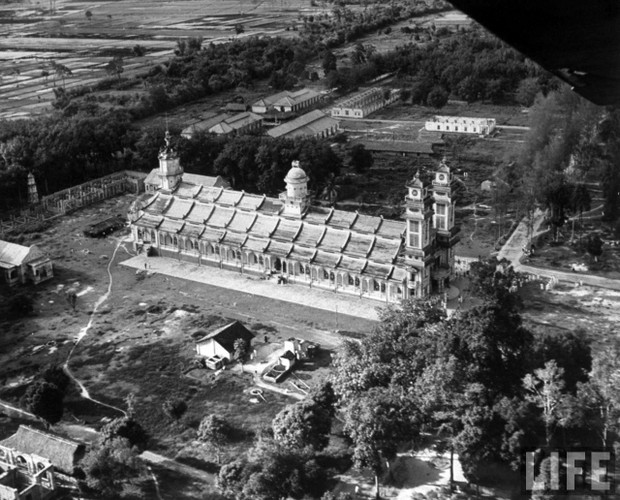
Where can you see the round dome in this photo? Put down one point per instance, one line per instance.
(296, 174)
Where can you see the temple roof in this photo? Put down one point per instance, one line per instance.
(322, 236)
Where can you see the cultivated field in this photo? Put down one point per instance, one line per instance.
(31, 37)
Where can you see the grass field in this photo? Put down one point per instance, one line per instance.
(141, 338)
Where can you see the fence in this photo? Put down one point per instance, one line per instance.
(73, 198)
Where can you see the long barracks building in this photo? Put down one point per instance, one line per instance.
(347, 252)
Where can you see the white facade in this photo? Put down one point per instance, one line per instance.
(461, 125)
(212, 348)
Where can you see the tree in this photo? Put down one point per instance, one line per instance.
(241, 350)
(273, 472)
(45, 400)
(600, 395)
(115, 67)
(377, 422)
(329, 62)
(360, 158)
(239, 29)
(306, 423)
(138, 50)
(594, 246)
(527, 91)
(61, 71)
(126, 428)
(88, 14)
(437, 98)
(112, 466)
(215, 432)
(545, 388)
(174, 408)
(330, 191)
(54, 374)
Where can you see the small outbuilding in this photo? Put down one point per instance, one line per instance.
(221, 342)
(20, 264)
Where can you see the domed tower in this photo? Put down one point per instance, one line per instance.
(419, 236)
(295, 198)
(170, 170)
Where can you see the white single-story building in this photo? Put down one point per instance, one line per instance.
(221, 342)
(20, 264)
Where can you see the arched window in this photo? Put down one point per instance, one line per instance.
(308, 270)
(382, 287)
(332, 277)
(153, 235)
(357, 282)
(189, 245)
(216, 249)
(168, 240)
(238, 255)
(40, 466)
(325, 274)
(261, 261)
(254, 259)
(21, 462)
(140, 234)
(175, 241)
(351, 280)
(376, 285)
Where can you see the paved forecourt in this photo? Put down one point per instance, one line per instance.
(296, 294)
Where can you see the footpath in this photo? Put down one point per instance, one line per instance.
(317, 298)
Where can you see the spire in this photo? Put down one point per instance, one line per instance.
(167, 150)
(33, 194)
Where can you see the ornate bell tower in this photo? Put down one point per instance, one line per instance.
(419, 237)
(170, 170)
(444, 187)
(295, 198)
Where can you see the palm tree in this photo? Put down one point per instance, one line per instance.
(330, 191)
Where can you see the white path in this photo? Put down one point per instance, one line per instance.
(84, 331)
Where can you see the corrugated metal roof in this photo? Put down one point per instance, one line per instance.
(16, 255)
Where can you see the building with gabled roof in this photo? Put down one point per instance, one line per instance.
(347, 252)
(365, 102)
(221, 342)
(287, 101)
(313, 124)
(20, 264)
(63, 453)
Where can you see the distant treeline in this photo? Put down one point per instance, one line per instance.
(468, 65)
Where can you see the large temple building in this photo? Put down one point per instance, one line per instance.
(191, 218)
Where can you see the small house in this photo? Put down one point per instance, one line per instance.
(221, 342)
(20, 264)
